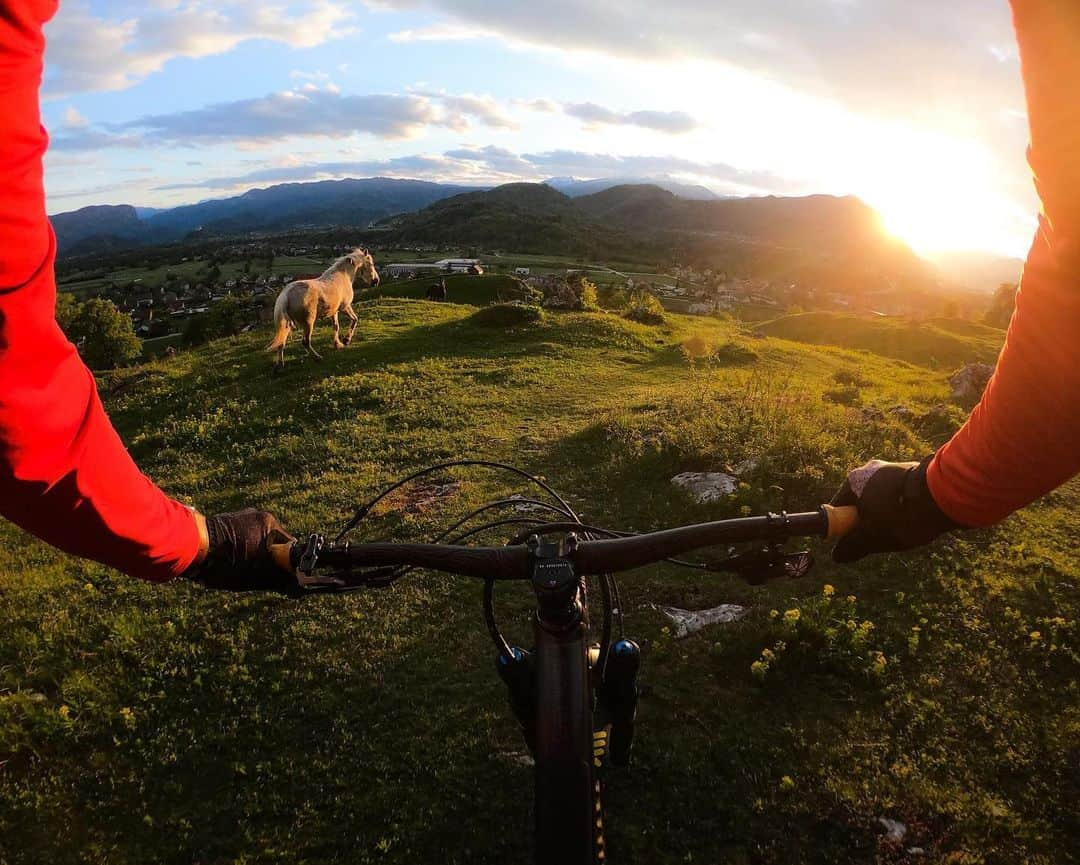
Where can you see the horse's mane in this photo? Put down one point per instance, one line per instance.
(343, 264)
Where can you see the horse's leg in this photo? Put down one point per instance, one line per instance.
(309, 328)
(337, 332)
(354, 320)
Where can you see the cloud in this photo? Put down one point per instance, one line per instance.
(492, 165)
(673, 122)
(483, 108)
(73, 119)
(89, 52)
(439, 33)
(919, 57)
(309, 111)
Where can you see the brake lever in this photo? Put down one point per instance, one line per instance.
(759, 565)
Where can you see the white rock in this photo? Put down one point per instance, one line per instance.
(969, 382)
(706, 486)
(894, 829)
(687, 622)
(745, 466)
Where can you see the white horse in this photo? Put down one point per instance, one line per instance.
(302, 302)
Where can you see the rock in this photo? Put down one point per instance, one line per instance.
(688, 622)
(516, 758)
(969, 382)
(872, 413)
(706, 486)
(746, 466)
(894, 829)
(901, 412)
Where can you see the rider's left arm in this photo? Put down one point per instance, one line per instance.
(64, 473)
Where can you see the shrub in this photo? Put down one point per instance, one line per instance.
(644, 308)
(848, 395)
(225, 318)
(699, 348)
(847, 378)
(734, 354)
(508, 315)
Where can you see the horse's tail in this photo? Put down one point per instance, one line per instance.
(281, 320)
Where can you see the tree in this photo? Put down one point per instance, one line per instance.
(226, 318)
(104, 335)
(1001, 307)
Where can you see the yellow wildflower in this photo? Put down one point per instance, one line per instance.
(828, 591)
(792, 616)
(787, 783)
(759, 669)
(64, 712)
(774, 614)
(851, 599)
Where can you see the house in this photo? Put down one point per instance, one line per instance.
(460, 265)
(521, 271)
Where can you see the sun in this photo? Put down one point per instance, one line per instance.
(937, 193)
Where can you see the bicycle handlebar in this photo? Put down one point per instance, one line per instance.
(589, 557)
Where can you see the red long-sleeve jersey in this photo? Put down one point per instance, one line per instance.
(1023, 439)
(64, 473)
(66, 477)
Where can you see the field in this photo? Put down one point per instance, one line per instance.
(939, 343)
(168, 724)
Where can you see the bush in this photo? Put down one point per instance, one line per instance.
(225, 318)
(508, 315)
(846, 378)
(734, 354)
(644, 308)
(699, 348)
(103, 334)
(578, 293)
(848, 395)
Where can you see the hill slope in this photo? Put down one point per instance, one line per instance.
(522, 217)
(939, 343)
(145, 723)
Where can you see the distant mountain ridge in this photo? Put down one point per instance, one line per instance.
(326, 203)
(316, 204)
(575, 188)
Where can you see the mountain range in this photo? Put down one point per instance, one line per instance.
(838, 240)
(286, 206)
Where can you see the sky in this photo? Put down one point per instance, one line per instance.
(916, 106)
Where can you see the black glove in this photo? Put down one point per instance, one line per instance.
(239, 555)
(896, 510)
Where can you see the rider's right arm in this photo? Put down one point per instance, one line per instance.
(1022, 439)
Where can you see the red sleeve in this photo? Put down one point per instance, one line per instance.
(1023, 439)
(64, 474)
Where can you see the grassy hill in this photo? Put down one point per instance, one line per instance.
(940, 343)
(167, 724)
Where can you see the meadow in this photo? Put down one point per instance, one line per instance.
(170, 724)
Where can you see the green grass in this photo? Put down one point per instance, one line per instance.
(940, 343)
(167, 724)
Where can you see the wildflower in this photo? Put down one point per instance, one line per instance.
(127, 716)
(787, 783)
(1035, 636)
(877, 663)
(792, 616)
(774, 614)
(64, 712)
(768, 655)
(851, 599)
(759, 669)
(828, 591)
